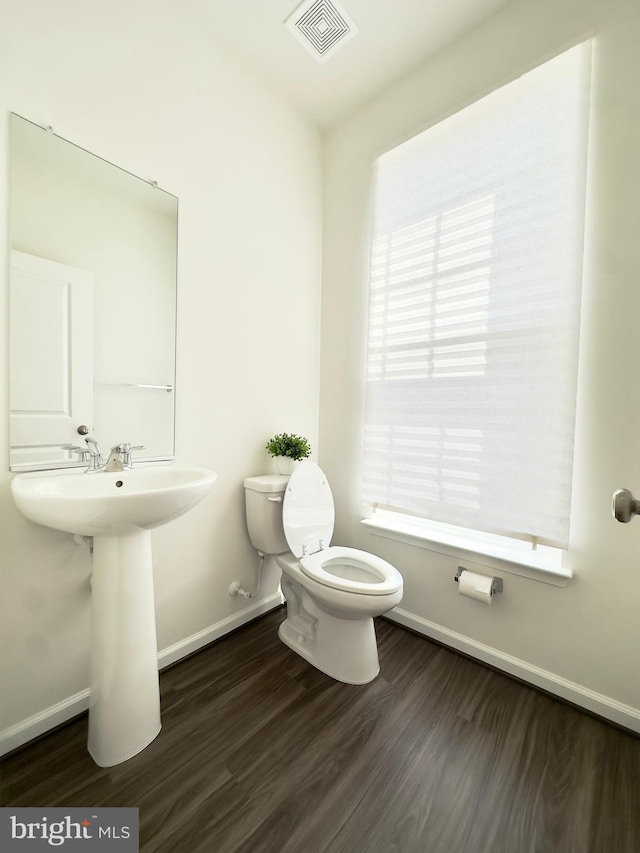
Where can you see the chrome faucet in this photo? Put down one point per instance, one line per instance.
(91, 454)
(96, 459)
(120, 457)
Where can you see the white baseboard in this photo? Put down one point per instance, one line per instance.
(617, 712)
(24, 731)
(32, 727)
(597, 703)
(191, 644)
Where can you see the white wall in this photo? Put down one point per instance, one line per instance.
(143, 85)
(582, 641)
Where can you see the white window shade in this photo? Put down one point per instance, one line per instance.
(474, 310)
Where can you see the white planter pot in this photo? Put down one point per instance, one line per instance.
(285, 465)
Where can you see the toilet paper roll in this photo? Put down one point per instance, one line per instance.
(475, 586)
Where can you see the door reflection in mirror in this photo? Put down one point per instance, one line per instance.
(92, 303)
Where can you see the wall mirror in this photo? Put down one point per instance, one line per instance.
(92, 304)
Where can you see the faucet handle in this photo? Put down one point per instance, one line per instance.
(84, 455)
(96, 460)
(124, 447)
(132, 447)
(124, 450)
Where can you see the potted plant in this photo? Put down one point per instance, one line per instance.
(288, 449)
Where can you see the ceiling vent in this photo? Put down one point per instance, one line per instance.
(322, 26)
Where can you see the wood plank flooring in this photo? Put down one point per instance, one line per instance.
(261, 753)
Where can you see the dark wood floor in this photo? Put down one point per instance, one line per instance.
(261, 753)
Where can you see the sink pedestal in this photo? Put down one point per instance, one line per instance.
(118, 509)
(124, 705)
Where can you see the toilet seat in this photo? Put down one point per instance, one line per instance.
(370, 575)
(308, 516)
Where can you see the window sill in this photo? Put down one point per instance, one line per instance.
(527, 564)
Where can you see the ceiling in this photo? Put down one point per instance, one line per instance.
(394, 37)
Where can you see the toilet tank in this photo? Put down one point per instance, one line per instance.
(263, 504)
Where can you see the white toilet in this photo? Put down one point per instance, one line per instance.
(332, 593)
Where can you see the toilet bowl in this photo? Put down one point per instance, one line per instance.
(332, 592)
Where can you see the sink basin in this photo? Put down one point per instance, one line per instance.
(117, 509)
(102, 502)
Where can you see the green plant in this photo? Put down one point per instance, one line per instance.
(286, 444)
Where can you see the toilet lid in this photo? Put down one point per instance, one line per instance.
(308, 512)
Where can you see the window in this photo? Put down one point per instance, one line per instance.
(474, 310)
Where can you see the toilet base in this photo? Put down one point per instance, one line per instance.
(344, 649)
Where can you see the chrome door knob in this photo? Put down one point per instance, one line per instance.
(624, 506)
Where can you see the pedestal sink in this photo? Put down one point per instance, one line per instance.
(118, 509)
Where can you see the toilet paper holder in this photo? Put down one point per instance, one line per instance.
(496, 583)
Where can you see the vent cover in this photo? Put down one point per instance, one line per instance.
(322, 27)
